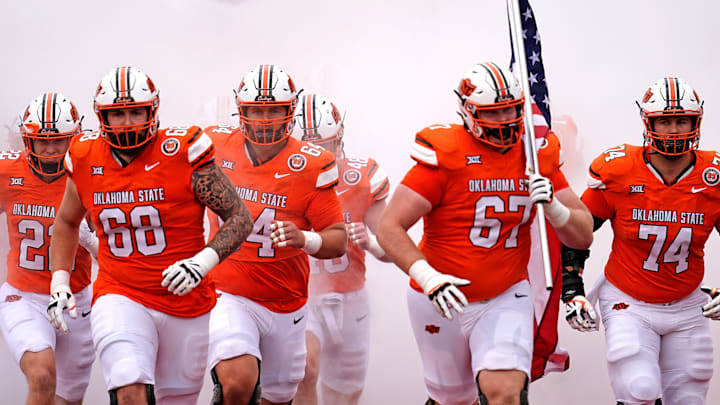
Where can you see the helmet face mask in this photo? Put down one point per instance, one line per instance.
(127, 88)
(673, 98)
(266, 99)
(487, 97)
(319, 122)
(48, 124)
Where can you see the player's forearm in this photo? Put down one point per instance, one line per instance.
(63, 244)
(334, 242)
(235, 229)
(577, 233)
(398, 246)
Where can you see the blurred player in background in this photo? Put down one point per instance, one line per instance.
(471, 188)
(56, 363)
(338, 335)
(146, 189)
(257, 330)
(662, 200)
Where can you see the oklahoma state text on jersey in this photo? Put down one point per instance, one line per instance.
(296, 185)
(659, 229)
(30, 205)
(146, 215)
(479, 226)
(362, 183)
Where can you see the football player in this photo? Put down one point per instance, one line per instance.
(56, 363)
(662, 201)
(289, 188)
(338, 335)
(146, 189)
(472, 190)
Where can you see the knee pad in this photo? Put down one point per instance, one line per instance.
(523, 394)
(149, 392)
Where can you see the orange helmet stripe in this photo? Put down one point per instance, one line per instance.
(265, 78)
(499, 78)
(308, 115)
(673, 91)
(49, 110)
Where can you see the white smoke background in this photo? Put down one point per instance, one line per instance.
(392, 66)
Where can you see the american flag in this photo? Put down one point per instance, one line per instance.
(547, 355)
(536, 71)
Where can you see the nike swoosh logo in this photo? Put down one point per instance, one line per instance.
(85, 314)
(697, 189)
(152, 166)
(520, 295)
(360, 318)
(343, 192)
(280, 176)
(295, 321)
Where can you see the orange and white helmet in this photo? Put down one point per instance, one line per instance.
(318, 120)
(271, 89)
(49, 117)
(127, 87)
(668, 97)
(486, 87)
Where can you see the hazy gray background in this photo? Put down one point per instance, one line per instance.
(392, 65)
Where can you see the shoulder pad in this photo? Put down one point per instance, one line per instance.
(612, 163)
(10, 154)
(433, 139)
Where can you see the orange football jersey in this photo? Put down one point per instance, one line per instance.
(362, 183)
(30, 205)
(296, 185)
(479, 226)
(659, 229)
(146, 214)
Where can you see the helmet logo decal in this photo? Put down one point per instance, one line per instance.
(466, 87)
(647, 96)
(297, 162)
(352, 177)
(711, 176)
(170, 147)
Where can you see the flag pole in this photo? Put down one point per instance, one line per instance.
(517, 39)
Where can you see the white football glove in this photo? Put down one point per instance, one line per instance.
(359, 235)
(580, 314)
(61, 298)
(712, 308)
(440, 288)
(181, 277)
(88, 239)
(541, 191)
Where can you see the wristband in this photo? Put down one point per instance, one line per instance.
(374, 247)
(422, 272)
(207, 259)
(60, 281)
(313, 242)
(557, 213)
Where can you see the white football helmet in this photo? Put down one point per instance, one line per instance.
(266, 100)
(671, 96)
(123, 88)
(486, 87)
(318, 120)
(50, 119)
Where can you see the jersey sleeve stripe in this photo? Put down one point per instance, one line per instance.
(328, 165)
(383, 192)
(195, 135)
(68, 163)
(424, 142)
(205, 164)
(200, 147)
(378, 179)
(592, 182)
(328, 178)
(372, 169)
(424, 155)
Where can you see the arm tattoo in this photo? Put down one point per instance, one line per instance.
(214, 190)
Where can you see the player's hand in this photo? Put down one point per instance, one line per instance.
(286, 234)
(580, 314)
(440, 288)
(61, 298)
(541, 189)
(88, 239)
(357, 233)
(712, 308)
(182, 276)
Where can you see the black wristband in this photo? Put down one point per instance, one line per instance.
(572, 285)
(574, 258)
